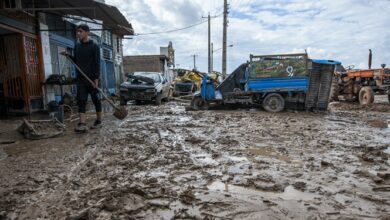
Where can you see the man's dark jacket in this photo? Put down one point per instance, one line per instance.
(87, 57)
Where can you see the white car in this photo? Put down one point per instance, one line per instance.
(145, 86)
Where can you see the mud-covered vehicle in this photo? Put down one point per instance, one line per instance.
(144, 86)
(274, 82)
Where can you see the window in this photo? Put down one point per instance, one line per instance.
(60, 64)
(107, 37)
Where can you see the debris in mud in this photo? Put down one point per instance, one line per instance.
(187, 196)
(367, 174)
(326, 163)
(300, 186)
(378, 123)
(384, 176)
(41, 129)
(382, 188)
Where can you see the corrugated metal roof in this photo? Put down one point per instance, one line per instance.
(112, 18)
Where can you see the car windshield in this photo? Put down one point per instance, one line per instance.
(151, 75)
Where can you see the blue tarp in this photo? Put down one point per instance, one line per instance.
(328, 62)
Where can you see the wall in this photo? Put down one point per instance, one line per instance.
(143, 63)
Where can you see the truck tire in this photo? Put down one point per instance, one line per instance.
(273, 102)
(334, 91)
(198, 103)
(158, 99)
(123, 101)
(366, 95)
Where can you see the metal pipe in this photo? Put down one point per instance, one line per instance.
(369, 59)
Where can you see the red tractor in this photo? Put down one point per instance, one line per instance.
(360, 84)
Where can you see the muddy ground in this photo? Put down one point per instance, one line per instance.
(168, 163)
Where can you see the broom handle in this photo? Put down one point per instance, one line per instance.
(92, 83)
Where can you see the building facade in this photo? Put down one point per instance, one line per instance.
(32, 36)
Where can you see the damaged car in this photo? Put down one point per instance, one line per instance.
(144, 86)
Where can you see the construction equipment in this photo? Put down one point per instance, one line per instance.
(360, 84)
(120, 111)
(189, 81)
(273, 82)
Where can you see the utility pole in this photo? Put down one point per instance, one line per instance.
(194, 60)
(225, 23)
(212, 57)
(209, 46)
(209, 42)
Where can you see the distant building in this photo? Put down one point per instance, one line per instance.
(153, 63)
(170, 53)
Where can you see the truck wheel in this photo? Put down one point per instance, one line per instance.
(334, 91)
(198, 103)
(123, 101)
(366, 95)
(158, 99)
(273, 103)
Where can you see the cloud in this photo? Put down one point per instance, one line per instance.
(340, 30)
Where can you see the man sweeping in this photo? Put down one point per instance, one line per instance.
(87, 57)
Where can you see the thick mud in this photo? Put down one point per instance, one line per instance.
(168, 163)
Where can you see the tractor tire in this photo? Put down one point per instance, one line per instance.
(158, 99)
(273, 102)
(123, 101)
(334, 91)
(198, 103)
(366, 95)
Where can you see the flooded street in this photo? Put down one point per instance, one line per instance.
(163, 162)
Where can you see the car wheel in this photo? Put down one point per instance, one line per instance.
(158, 99)
(273, 103)
(198, 103)
(123, 101)
(366, 95)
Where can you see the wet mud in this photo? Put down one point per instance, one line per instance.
(164, 162)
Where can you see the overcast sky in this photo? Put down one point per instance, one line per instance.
(341, 30)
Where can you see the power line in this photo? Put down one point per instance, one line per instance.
(174, 30)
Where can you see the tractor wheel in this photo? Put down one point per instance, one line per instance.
(198, 103)
(334, 91)
(366, 95)
(158, 99)
(273, 103)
